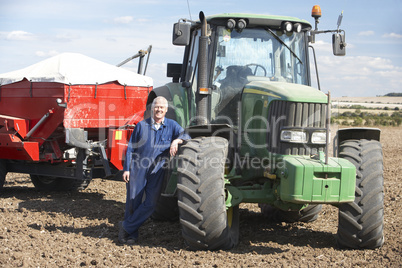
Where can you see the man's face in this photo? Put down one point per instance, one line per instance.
(159, 110)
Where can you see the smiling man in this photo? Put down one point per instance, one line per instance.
(153, 141)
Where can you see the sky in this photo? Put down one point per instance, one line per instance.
(113, 30)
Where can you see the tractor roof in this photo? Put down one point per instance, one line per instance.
(254, 20)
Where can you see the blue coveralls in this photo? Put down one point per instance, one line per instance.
(148, 151)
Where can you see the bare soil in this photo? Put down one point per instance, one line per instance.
(53, 229)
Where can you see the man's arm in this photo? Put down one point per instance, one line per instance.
(179, 136)
(175, 146)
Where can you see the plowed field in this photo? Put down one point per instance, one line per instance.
(53, 229)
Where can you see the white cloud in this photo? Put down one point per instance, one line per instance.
(142, 20)
(66, 36)
(322, 46)
(366, 33)
(392, 35)
(359, 75)
(20, 36)
(377, 63)
(123, 20)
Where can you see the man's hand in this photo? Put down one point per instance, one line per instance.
(175, 146)
(126, 176)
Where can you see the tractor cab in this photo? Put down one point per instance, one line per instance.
(242, 56)
(241, 49)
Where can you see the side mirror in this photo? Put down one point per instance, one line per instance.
(181, 34)
(174, 71)
(338, 44)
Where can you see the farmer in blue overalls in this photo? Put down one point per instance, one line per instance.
(153, 141)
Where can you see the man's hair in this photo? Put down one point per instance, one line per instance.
(160, 98)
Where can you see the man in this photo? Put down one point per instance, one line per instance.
(152, 142)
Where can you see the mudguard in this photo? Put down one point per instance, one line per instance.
(357, 133)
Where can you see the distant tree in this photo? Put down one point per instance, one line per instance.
(358, 121)
(383, 114)
(393, 94)
(369, 122)
(384, 122)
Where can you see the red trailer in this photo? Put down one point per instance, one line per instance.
(67, 119)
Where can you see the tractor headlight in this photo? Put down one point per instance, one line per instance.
(297, 27)
(295, 136)
(319, 137)
(287, 26)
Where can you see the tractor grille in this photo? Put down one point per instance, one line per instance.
(295, 115)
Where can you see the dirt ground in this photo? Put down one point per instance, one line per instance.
(80, 230)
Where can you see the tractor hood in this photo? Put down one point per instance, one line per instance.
(286, 91)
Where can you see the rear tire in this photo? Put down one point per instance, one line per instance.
(206, 223)
(361, 223)
(49, 183)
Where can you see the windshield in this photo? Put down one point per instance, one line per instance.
(254, 54)
(260, 54)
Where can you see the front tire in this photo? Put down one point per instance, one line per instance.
(361, 223)
(206, 223)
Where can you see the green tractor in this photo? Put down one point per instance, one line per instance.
(260, 134)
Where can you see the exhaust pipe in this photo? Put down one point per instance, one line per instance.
(327, 126)
(203, 90)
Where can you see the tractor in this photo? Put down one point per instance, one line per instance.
(260, 133)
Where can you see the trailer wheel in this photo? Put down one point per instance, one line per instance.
(308, 214)
(361, 223)
(48, 183)
(3, 172)
(205, 221)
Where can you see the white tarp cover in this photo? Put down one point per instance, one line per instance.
(75, 69)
